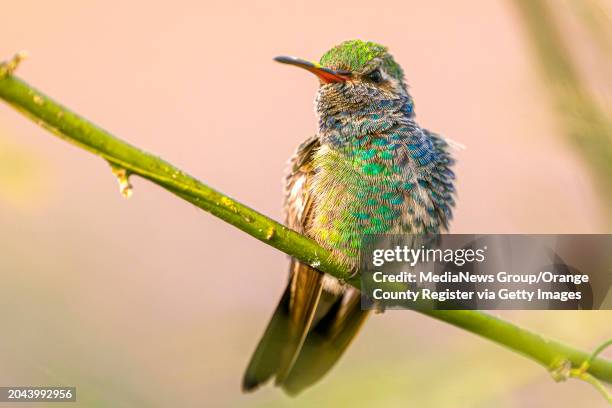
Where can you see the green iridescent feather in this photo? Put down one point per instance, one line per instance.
(355, 55)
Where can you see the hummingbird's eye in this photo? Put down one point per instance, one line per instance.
(375, 76)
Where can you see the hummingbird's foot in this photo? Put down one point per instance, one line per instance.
(8, 67)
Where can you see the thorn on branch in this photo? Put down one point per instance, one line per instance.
(561, 371)
(123, 178)
(8, 67)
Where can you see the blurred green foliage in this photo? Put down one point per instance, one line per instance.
(586, 124)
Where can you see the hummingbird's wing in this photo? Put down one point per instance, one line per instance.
(285, 334)
(310, 328)
(298, 197)
(305, 283)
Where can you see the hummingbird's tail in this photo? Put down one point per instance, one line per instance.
(281, 343)
(267, 357)
(327, 341)
(307, 334)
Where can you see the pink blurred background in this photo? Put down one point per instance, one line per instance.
(150, 302)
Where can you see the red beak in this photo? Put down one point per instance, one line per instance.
(326, 75)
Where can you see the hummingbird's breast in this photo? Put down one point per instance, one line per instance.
(395, 179)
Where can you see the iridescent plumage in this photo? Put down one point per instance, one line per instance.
(370, 169)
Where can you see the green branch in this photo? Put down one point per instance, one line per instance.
(127, 159)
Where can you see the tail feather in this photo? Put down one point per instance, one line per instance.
(309, 331)
(281, 343)
(326, 342)
(306, 287)
(267, 357)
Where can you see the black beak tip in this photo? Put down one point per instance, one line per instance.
(285, 60)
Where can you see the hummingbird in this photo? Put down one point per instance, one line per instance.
(370, 169)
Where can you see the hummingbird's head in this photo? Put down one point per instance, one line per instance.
(355, 76)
